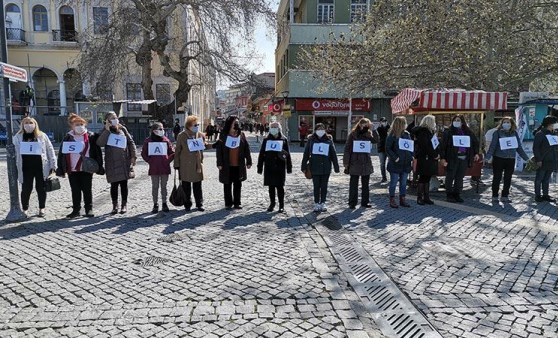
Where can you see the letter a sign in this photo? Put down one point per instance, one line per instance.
(157, 149)
(196, 144)
(274, 146)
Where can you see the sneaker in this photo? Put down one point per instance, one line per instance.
(317, 207)
(89, 213)
(506, 199)
(323, 207)
(123, 210)
(74, 214)
(201, 209)
(238, 207)
(41, 213)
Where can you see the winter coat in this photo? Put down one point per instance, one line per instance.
(359, 164)
(47, 155)
(158, 164)
(274, 164)
(95, 153)
(382, 132)
(118, 161)
(404, 164)
(189, 164)
(496, 150)
(425, 154)
(544, 152)
(320, 164)
(223, 159)
(449, 152)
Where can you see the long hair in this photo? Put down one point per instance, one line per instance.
(464, 124)
(398, 126)
(227, 127)
(360, 122)
(512, 121)
(429, 121)
(37, 132)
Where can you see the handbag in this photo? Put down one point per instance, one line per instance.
(132, 173)
(52, 183)
(177, 196)
(89, 165)
(308, 173)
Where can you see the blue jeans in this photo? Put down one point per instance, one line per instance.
(383, 157)
(542, 180)
(394, 179)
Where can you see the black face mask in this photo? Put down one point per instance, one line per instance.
(364, 129)
(236, 126)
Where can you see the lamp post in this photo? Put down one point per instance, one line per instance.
(285, 94)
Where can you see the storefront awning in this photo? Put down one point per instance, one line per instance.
(135, 101)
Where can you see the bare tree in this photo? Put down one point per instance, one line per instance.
(473, 44)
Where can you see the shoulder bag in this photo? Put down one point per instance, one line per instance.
(177, 196)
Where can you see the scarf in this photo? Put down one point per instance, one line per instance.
(461, 150)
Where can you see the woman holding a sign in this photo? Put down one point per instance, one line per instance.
(233, 160)
(35, 161)
(319, 155)
(426, 153)
(399, 149)
(188, 160)
(358, 163)
(545, 149)
(504, 147)
(120, 158)
(275, 162)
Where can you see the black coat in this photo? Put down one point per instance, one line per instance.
(382, 132)
(95, 153)
(359, 164)
(273, 164)
(544, 152)
(399, 161)
(320, 165)
(223, 159)
(427, 164)
(450, 153)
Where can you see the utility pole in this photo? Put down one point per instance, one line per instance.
(15, 214)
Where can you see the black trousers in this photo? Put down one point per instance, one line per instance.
(365, 190)
(280, 194)
(424, 179)
(123, 191)
(30, 175)
(81, 182)
(454, 177)
(320, 187)
(233, 198)
(198, 193)
(505, 167)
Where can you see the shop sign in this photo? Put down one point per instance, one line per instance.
(358, 105)
(331, 113)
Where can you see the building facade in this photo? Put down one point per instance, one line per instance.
(303, 23)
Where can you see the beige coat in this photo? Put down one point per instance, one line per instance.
(189, 164)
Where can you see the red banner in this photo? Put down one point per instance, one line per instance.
(359, 105)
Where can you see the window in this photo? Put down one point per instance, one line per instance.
(40, 19)
(325, 11)
(163, 94)
(11, 8)
(358, 10)
(133, 92)
(100, 20)
(66, 10)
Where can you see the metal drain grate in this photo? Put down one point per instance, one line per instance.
(150, 261)
(175, 237)
(350, 254)
(405, 326)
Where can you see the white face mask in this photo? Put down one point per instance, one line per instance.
(320, 133)
(29, 127)
(114, 122)
(506, 126)
(159, 133)
(80, 130)
(274, 131)
(457, 124)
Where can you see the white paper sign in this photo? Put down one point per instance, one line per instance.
(72, 147)
(406, 144)
(157, 149)
(362, 147)
(232, 142)
(196, 144)
(118, 141)
(274, 146)
(435, 142)
(552, 140)
(320, 149)
(462, 141)
(509, 143)
(30, 148)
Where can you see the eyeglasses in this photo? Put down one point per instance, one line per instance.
(196, 125)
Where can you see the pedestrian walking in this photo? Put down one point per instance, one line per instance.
(399, 150)
(303, 133)
(209, 131)
(545, 149)
(158, 152)
(233, 160)
(120, 159)
(383, 132)
(35, 162)
(275, 162)
(80, 157)
(504, 147)
(426, 154)
(358, 162)
(319, 157)
(176, 129)
(458, 151)
(189, 162)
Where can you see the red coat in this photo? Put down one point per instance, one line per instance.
(158, 165)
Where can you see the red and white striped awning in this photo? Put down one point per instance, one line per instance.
(454, 99)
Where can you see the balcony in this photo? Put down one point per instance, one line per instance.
(15, 34)
(64, 35)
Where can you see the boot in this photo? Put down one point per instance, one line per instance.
(403, 203)
(458, 198)
(155, 208)
(427, 199)
(393, 203)
(420, 194)
(123, 209)
(114, 208)
(165, 207)
(450, 197)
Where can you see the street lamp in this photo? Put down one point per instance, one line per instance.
(285, 94)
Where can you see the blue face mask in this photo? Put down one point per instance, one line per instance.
(195, 129)
(506, 126)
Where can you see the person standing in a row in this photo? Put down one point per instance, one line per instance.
(545, 149)
(358, 162)
(35, 161)
(120, 158)
(504, 147)
(400, 158)
(189, 162)
(233, 160)
(319, 156)
(275, 162)
(383, 133)
(426, 154)
(158, 152)
(80, 163)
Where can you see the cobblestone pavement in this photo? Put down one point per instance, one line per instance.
(474, 270)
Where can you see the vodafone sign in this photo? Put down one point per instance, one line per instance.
(359, 105)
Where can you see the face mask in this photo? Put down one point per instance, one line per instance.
(383, 124)
(506, 126)
(159, 133)
(80, 130)
(457, 124)
(274, 131)
(195, 129)
(29, 127)
(320, 133)
(365, 129)
(114, 122)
